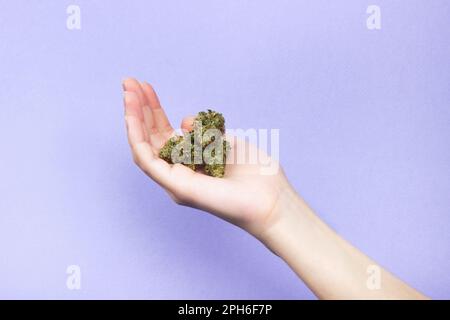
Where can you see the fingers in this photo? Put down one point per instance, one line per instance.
(151, 96)
(134, 130)
(161, 122)
(133, 109)
(188, 123)
(143, 155)
(141, 110)
(157, 129)
(148, 120)
(132, 85)
(132, 105)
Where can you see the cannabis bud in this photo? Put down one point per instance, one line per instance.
(204, 148)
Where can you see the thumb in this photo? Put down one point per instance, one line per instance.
(187, 124)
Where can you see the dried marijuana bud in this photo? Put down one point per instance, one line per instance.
(203, 148)
(166, 151)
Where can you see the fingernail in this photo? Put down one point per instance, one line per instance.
(123, 84)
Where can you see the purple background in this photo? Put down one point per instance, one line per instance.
(368, 111)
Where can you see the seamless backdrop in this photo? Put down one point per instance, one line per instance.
(364, 123)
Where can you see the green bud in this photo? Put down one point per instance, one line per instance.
(208, 126)
(166, 151)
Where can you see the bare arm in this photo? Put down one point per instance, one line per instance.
(330, 266)
(264, 205)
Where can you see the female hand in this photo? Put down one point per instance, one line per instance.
(243, 196)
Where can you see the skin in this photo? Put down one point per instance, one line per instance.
(266, 206)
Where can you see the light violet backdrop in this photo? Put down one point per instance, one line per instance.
(364, 121)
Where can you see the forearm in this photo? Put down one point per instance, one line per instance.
(330, 266)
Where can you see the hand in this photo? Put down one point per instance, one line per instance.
(243, 196)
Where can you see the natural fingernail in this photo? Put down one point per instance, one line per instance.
(123, 84)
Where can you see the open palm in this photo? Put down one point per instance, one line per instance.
(243, 196)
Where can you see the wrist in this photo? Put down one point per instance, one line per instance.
(290, 218)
